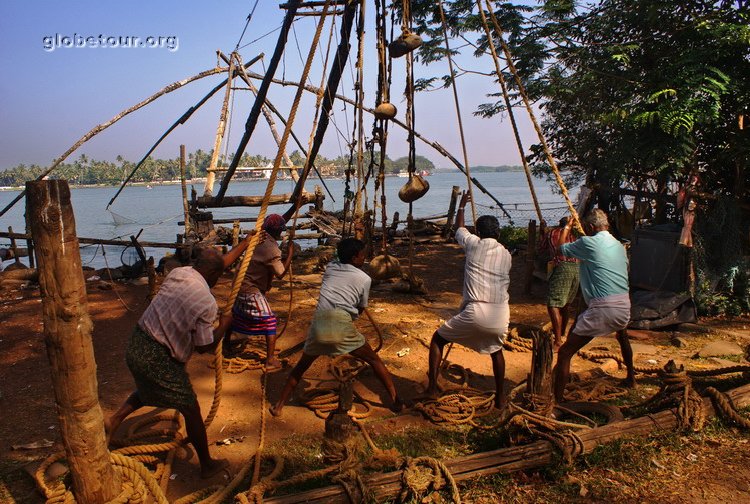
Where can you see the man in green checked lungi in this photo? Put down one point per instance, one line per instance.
(563, 280)
(343, 296)
(179, 320)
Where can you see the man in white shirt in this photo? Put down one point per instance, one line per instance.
(483, 320)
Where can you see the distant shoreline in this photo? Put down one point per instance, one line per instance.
(475, 169)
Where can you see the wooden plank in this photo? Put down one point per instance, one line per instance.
(252, 201)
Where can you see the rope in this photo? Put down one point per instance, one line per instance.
(524, 95)
(458, 113)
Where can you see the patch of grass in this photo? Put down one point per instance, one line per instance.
(427, 441)
(627, 454)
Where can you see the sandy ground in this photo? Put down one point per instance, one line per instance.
(408, 321)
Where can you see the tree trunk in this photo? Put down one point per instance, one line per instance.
(67, 334)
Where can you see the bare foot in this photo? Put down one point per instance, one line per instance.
(214, 467)
(276, 410)
(629, 382)
(500, 404)
(273, 364)
(433, 392)
(556, 345)
(398, 405)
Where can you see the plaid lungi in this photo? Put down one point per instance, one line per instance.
(332, 333)
(161, 379)
(252, 315)
(563, 284)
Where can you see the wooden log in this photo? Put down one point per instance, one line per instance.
(387, 486)
(183, 183)
(67, 334)
(13, 246)
(20, 274)
(252, 201)
(451, 211)
(530, 255)
(540, 377)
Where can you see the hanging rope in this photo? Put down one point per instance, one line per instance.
(458, 113)
(512, 116)
(532, 116)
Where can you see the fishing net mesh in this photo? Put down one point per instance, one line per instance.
(720, 258)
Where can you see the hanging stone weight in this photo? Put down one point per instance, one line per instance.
(406, 43)
(383, 267)
(414, 189)
(385, 110)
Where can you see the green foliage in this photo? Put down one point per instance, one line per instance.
(512, 237)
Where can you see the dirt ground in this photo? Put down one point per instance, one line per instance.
(408, 321)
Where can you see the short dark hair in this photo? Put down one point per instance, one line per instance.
(207, 260)
(348, 248)
(488, 226)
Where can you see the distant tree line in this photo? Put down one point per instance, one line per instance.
(87, 171)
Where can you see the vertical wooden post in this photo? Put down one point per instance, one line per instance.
(29, 242)
(530, 256)
(184, 190)
(540, 377)
(13, 246)
(67, 334)
(235, 233)
(451, 211)
(151, 271)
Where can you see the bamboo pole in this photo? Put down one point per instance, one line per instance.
(101, 241)
(67, 333)
(103, 126)
(252, 119)
(208, 189)
(232, 201)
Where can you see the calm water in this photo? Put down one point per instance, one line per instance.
(158, 210)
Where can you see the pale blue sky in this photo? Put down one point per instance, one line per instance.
(49, 99)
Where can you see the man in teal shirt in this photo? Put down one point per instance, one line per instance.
(604, 283)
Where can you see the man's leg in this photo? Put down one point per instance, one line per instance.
(294, 377)
(367, 354)
(272, 362)
(562, 370)
(556, 317)
(436, 355)
(196, 432)
(132, 403)
(498, 369)
(627, 356)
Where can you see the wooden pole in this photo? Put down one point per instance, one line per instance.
(29, 242)
(67, 334)
(208, 189)
(530, 256)
(13, 246)
(540, 377)
(451, 211)
(185, 206)
(385, 487)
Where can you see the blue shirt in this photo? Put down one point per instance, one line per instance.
(604, 265)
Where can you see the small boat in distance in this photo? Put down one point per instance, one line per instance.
(424, 173)
(148, 186)
(402, 174)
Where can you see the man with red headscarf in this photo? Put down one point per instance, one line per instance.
(251, 313)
